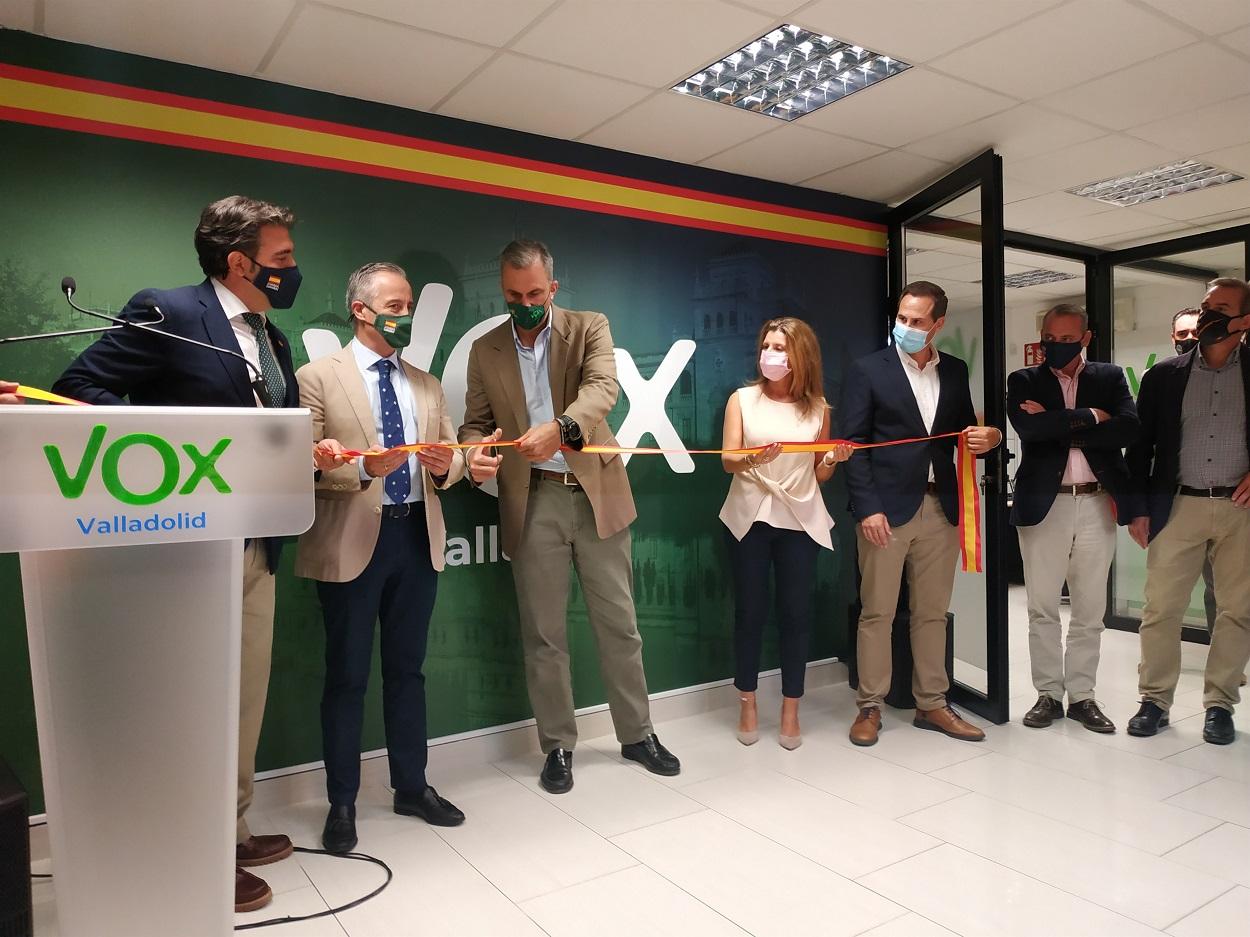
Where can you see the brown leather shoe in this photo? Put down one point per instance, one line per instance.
(1044, 712)
(1089, 715)
(250, 892)
(262, 850)
(947, 721)
(867, 726)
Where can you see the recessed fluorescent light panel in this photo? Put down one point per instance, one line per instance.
(790, 72)
(1018, 281)
(1150, 184)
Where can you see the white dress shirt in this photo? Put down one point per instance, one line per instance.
(925, 387)
(235, 309)
(365, 361)
(536, 378)
(1077, 471)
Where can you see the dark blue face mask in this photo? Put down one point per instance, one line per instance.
(279, 284)
(1060, 354)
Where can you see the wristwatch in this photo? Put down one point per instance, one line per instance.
(570, 433)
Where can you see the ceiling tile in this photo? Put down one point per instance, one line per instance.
(1226, 123)
(1015, 190)
(1163, 232)
(491, 22)
(1118, 222)
(1061, 47)
(1173, 83)
(1213, 17)
(1049, 209)
(679, 127)
(17, 14)
(339, 52)
(1225, 219)
(908, 106)
(791, 153)
(1239, 40)
(774, 7)
(1236, 158)
(971, 272)
(556, 101)
(915, 30)
(1189, 205)
(653, 42)
(230, 35)
(1019, 133)
(890, 177)
(931, 261)
(1103, 158)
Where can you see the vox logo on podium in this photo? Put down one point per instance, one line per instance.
(202, 467)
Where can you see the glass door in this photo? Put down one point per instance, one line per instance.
(952, 234)
(1143, 289)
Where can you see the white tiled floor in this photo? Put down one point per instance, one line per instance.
(1049, 832)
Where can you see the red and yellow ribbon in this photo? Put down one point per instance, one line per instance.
(34, 393)
(966, 464)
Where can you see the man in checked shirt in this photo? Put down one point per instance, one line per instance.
(1190, 494)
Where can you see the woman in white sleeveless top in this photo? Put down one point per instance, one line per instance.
(774, 513)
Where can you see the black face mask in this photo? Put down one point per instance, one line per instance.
(1060, 354)
(1185, 345)
(1212, 327)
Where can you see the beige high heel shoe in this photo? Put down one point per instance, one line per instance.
(789, 742)
(747, 738)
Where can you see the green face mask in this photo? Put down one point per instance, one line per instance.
(396, 330)
(527, 317)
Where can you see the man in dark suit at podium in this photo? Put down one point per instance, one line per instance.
(247, 256)
(1074, 417)
(905, 500)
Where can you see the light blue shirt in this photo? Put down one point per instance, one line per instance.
(536, 378)
(365, 361)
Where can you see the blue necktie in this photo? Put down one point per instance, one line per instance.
(399, 482)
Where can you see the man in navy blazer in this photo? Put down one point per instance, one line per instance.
(1190, 498)
(247, 256)
(1074, 417)
(906, 502)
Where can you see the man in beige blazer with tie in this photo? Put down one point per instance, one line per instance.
(376, 545)
(547, 378)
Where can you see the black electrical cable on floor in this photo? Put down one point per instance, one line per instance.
(359, 857)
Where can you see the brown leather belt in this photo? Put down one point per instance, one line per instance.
(1226, 492)
(567, 479)
(1084, 488)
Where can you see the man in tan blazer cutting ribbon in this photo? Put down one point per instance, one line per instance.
(547, 378)
(376, 545)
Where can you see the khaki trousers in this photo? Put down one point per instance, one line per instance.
(258, 603)
(560, 531)
(1173, 564)
(927, 546)
(1074, 542)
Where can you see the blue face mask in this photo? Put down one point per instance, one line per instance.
(279, 284)
(909, 339)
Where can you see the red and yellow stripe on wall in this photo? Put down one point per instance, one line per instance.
(50, 99)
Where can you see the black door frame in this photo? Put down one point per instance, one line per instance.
(985, 171)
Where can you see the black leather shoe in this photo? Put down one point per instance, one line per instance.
(1218, 728)
(557, 776)
(427, 805)
(1149, 719)
(1045, 711)
(653, 756)
(1087, 713)
(339, 836)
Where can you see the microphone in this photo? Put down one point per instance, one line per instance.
(69, 287)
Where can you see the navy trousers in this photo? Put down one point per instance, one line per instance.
(790, 555)
(396, 589)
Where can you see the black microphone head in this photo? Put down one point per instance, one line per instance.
(68, 285)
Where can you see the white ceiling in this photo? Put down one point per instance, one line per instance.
(1068, 91)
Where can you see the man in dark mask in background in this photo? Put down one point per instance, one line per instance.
(1190, 492)
(1073, 417)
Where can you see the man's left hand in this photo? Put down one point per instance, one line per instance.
(8, 393)
(539, 443)
(982, 438)
(1032, 406)
(1241, 496)
(437, 459)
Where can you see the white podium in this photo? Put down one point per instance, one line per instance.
(130, 522)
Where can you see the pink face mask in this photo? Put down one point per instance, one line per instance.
(774, 365)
